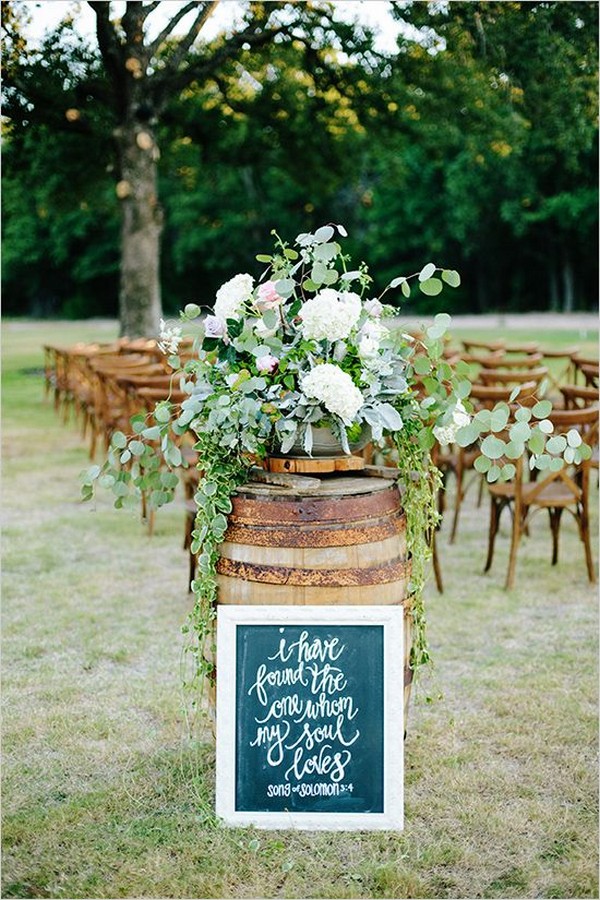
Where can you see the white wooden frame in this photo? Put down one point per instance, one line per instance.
(391, 618)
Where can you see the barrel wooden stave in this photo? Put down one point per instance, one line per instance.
(338, 549)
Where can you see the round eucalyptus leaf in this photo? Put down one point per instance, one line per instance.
(520, 431)
(507, 472)
(514, 449)
(318, 273)
(523, 414)
(119, 440)
(556, 464)
(120, 489)
(556, 444)
(463, 389)
(191, 310)
(162, 414)
(543, 461)
(569, 455)
(426, 272)
(546, 426)
(573, 438)
(431, 288)
(482, 464)
(483, 418)
(443, 320)
(494, 473)
(537, 442)
(499, 418)
(451, 277)
(493, 447)
(467, 435)
(324, 234)
(542, 409)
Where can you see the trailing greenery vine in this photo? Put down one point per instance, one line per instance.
(419, 481)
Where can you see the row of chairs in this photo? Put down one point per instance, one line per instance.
(104, 385)
(496, 369)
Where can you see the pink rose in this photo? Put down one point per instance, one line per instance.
(267, 364)
(215, 327)
(268, 298)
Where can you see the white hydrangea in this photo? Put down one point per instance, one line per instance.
(232, 295)
(334, 389)
(169, 338)
(330, 315)
(446, 434)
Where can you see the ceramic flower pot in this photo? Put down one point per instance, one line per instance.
(325, 443)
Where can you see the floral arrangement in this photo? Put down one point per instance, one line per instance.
(306, 345)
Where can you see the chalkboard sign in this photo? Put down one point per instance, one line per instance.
(310, 716)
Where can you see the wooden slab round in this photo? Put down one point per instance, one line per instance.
(299, 465)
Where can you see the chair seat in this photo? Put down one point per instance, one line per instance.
(554, 494)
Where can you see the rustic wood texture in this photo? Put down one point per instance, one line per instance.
(318, 465)
(342, 543)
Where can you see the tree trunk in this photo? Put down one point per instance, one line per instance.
(568, 285)
(141, 226)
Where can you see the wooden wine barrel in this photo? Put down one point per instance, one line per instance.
(340, 543)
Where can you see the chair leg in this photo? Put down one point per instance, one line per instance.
(514, 544)
(480, 492)
(555, 515)
(585, 537)
(494, 521)
(457, 503)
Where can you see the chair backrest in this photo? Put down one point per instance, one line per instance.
(487, 395)
(574, 477)
(577, 396)
(492, 346)
(510, 362)
(512, 376)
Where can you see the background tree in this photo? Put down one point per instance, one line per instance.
(474, 144)
(133, 82)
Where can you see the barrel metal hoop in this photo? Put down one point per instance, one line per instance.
(316, 536)
(389, 572)
(346, 510)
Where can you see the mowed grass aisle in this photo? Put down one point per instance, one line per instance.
(104, 795)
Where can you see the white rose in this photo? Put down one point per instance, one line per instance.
(371, 335)
(446, 434)
(232, 295)
(334, 389)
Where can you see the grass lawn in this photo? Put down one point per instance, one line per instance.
(105, 795)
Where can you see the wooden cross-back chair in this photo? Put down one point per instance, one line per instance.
(461, 460)
(567, 489)
(585, 369)
(560, 367)
(108, 410)
(581, 397)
